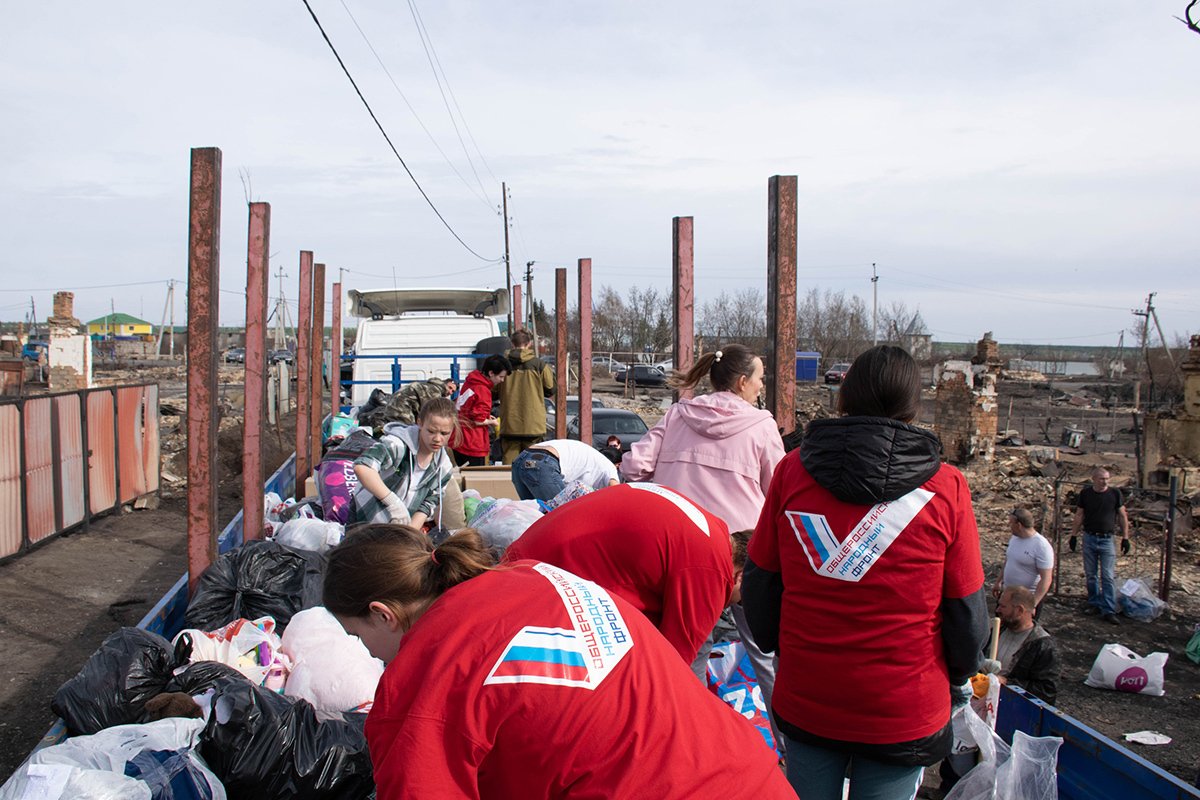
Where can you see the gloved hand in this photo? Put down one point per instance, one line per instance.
(1073, 542)
(990, 666)
(1125, 547)
(960, 695)
(397, 511)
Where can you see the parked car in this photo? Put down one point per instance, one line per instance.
(237, 355)
(285, 356)
(836, 373)
(606, 363)
(573, 405)
(625, 425)
(666, 366)
(643, 375)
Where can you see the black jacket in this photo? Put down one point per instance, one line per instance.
(869, 460)
(1035, 667)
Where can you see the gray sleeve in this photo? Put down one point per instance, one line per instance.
(964, 633)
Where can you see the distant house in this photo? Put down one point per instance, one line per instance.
(119, 325)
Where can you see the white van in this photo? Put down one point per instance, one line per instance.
(412, 322)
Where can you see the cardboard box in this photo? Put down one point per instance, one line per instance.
(490, 481)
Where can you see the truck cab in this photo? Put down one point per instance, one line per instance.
(425, 333)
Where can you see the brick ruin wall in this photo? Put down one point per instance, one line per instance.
(966, 413)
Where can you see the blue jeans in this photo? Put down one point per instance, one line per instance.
(537, 475)
(1100, 551)
(817, 773)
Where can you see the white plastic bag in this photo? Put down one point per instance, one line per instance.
(1138, 602)
(984, 702)
(330, 668)
(93, 767)
(250, 646)
(1119, 668)
(1026, 771)
(502, 522)
(302, 533)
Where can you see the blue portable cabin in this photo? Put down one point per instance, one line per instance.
(807, 366)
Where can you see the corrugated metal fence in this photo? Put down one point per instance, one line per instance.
(65, 458)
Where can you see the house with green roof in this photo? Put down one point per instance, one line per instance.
(119, 325)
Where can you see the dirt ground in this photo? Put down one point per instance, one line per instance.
(58, 602)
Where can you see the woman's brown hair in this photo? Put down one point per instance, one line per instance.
(882, 382)
(722, 367)
(398, 566)
(442, 407)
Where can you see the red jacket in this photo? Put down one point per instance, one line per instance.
(474, 405)
(649, 544)
(528, 681)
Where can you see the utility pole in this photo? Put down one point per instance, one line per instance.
(507, 265)
(1163, 340)
(529, 303)
(1145, 315)
(874, 305)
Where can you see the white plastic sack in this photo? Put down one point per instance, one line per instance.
(250, 646)
(502, 521)
(302, 533)
(330, 668)
(1026, 771)
(1138, 602)
(1121, 669)
(93, 767)
(984, 705)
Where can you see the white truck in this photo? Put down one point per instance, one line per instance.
(426, 333)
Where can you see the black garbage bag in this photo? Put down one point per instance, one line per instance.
(270, 747)
(131, 666)
(258, 579)
(201, 676)
(313, 504)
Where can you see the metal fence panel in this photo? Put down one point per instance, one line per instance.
(39, 469)
(69, 423)
(151, 446)
(130, 424)
(12, 504)
(102, 475)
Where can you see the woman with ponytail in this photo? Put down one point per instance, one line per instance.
(526, 681)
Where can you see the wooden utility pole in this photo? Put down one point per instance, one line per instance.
(507, 264)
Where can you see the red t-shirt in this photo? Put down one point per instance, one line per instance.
(474, 405)
(860, 648)
(649, 544)
(529, 682)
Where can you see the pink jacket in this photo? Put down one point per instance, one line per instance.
(717, 449)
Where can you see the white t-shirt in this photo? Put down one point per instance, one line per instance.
(1025, 557)
(414, 480)
(584, 463)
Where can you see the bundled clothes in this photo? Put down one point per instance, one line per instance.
(865, 569)
(557, 688)
(403, 406)
(394, 457)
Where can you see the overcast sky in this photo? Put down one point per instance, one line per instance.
(1029, 168)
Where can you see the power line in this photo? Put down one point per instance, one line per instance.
(431, 57)
(482, 198)
(83, 288)
(387, 138)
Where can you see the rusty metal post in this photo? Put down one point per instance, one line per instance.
(303, 378)
(254, 418)
(780, 358)
(516, 306)
(204, 284)
(1164, 587)
(683, 296)
(317, 402)
(335, 356)
(585, 350)
(561, 371)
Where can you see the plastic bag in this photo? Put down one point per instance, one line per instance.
(250, 647)
(731, 678)
(1026, 771)
(154, 761)
(338, 425)
(1138, 602)
(501, 522)
(330, 668)
(1119, 668)
(1193, 646)
(310, 534)
(258, 579)
(336, 484)
(269, 747)
(572, 490)
(130, 667)
(985, 701)
(308, 508)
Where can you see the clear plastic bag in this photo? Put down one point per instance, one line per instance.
(310, 534)
(1138, 602)
(1025, 771)
(503, 521)
(155, 760)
